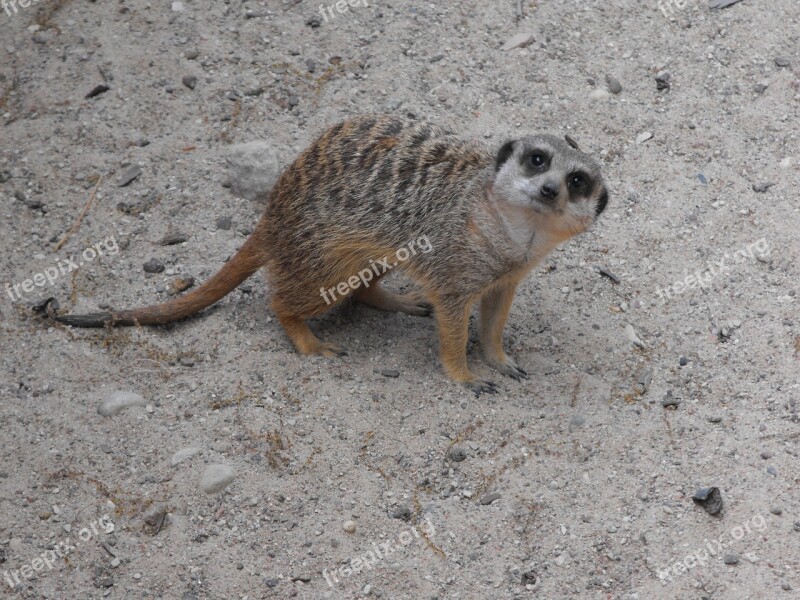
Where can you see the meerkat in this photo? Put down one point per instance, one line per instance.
(368, 185)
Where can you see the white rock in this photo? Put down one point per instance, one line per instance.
(117, 401)
(630, 333)
(252, 169)
(599, 94)
(217, 478)
(518, 41)
(349, 526)
(643, 137)
(177, 7)
(184, 454)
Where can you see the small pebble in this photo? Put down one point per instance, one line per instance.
(184, 454)
(349, 526)
(457, 453)
(172, 239)
(520, 40)
(762, 186)
(401, 512)
(153, 266)
(630, 333)
(128, 174)
(776, 510)
(731, 559)
(216, 478)
(683, 361)
(614, 86)
(643, 137)
(117, 401)
(180, 284)
(190, 81)
(489, 498)
(669, 401)
(782, 61)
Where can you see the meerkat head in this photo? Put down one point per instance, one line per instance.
(552, 180)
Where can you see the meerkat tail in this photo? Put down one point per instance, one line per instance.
(244, 263)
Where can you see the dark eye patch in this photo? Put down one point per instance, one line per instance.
(579, 183)
(536, 160)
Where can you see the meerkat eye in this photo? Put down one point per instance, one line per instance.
(578, 182)
(538, 158)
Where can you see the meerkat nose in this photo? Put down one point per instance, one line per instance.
(550, 190)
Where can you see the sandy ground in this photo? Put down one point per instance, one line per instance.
(374, 476)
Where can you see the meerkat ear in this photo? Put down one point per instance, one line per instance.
(602, 202)
(506, 150)
(572, 143)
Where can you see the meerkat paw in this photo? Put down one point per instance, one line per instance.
(482, 386)
(509, 368)
(329, 350)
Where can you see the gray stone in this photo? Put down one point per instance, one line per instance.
(762, 186)
(521, 40)
(614, 86)
(153, 266)
(252, 169)
(190, 81)
(731, 559)
(117, 401)
(216, 478)
(457, 453)
(128, 174)
(184, 454)
(489, 498)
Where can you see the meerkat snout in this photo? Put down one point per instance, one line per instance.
(551, 177)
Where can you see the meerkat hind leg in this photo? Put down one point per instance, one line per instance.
(304, 339)
(495, 308)
(377, 297)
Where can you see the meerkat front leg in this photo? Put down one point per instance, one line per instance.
(453, 321)
(495, 308)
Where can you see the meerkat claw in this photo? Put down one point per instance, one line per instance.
(427, 308)
(331, 350)
(482, 386)
(515, 373)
